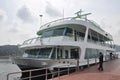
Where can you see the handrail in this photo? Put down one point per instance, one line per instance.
(58, 72)
(46, 73)
(33, 40)
(29, 41)
(56, 21)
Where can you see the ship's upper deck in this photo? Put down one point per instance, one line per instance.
(73, 30)
(72, 20)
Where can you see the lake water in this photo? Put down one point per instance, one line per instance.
(6, 67)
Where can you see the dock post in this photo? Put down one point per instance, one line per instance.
(68, 70)
(77, 64)
(46, 74)
(58, 73)
(30, 75)
(88, 62)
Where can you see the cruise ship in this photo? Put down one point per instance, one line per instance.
(66, 42)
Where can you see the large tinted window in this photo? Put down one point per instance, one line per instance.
(53, 32)
(58, 32)
(44, 53)
(32, 52)
(47, 33)
(91, 53)
(39, 53)
(69, 32)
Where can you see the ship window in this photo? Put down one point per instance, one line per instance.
(66, 54)
(38, 53)
(53, 54)
(81, 34)
(93, 35)
(59, 53)
(53, 32)
(44, 52)
(69, 32)
(47, 33)
(32, 53)
(91, 53)
(74, 53)
(58, 32)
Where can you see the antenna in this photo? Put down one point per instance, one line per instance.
(41, 19)
(80, 15)
(85, 15)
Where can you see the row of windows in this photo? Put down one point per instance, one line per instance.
(53, 53)
(92, 53)
(61, 54)
(96, 36)
(39, 53)
(78, 32)
(65, 31)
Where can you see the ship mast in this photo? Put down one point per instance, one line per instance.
(81, 16)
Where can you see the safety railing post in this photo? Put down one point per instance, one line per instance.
(7, 76)
(52, 75)
(58, 73)
(77, 64)
(46, 74)
(30, 75)
(88, 62)
(68, 70)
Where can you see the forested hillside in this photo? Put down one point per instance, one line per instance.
(7, 50)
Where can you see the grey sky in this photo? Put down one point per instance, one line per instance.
(19, 19)
(52, 11)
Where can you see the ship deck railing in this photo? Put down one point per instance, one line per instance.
(54, 74)
(40, 40)
(62, 19)
(45, 75)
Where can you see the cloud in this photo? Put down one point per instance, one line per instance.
(25, 15)
(3, 17)
(52, 11)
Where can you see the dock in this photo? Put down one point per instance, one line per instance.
(111, 72)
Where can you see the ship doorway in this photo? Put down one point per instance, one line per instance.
(74, 53)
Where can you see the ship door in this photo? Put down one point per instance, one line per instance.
(75, 53)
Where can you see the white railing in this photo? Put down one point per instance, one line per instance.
(32, 40)
(58, 72)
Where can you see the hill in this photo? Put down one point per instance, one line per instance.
(7, 50)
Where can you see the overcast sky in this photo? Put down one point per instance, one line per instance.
(19, 19)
